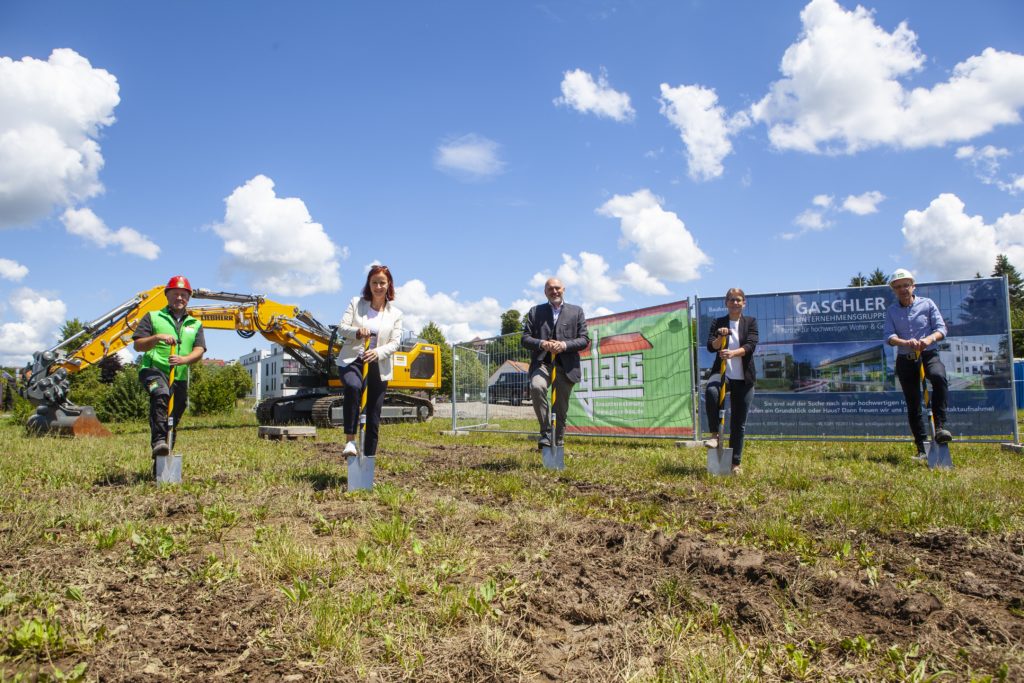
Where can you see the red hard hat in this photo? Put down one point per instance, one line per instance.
(179, 282)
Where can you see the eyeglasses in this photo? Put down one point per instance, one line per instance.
(735, 300)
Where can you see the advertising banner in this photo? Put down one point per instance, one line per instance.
(637, 375)
(824, 369)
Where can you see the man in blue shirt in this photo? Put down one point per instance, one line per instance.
(914, 325)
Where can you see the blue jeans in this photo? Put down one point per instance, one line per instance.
(742, 394)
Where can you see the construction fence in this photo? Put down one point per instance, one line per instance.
(636, 379)
(824, 370)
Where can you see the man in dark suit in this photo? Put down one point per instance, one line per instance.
(555, 333)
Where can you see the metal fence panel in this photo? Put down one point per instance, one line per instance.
(469, 388)
(637, 379)
(824, 370)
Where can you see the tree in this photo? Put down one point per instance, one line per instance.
(211, 389)
(70, 328)
(877, 278)
(511, 321)
(125, 400)
(432, 333)
(109, 367)
(1016, 284)
(238, 378)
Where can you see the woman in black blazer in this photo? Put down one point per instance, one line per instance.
(734, 338)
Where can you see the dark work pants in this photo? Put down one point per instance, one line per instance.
(540, 384)
(352, 383)
(909, 372)
(155, 383)
(742, 393)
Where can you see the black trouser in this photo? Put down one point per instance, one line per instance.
(540, 385)
(908, 370)
(742, 395)
(155, 383)
(352, 383)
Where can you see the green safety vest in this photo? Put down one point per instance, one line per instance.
(159, 356)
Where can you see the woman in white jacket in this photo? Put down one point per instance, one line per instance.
(369, 316)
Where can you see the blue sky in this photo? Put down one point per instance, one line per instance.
(644, 152)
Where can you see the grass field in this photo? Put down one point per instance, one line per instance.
(470, 562)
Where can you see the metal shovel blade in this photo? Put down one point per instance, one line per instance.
(360, 472)
(553, 457)
(939, 456)
(720, 461)
(168, 468)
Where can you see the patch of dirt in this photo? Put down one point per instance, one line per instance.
(587, 590)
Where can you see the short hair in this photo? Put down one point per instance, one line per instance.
(391, 283)
(735, 290)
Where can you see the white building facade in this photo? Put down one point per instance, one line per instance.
(253, 364)
(277, 367)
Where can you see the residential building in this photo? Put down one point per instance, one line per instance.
(253, 364)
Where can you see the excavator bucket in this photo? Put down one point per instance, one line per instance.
(87, 424)
(80, 421)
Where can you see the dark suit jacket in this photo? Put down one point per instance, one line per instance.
(748, 340)
(572, 329)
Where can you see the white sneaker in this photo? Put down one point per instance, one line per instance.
(350, 449)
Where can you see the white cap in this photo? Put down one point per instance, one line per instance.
(901, 274)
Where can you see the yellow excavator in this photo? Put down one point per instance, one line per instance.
(317, 399)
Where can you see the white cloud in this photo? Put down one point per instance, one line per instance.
(524, 305)
(841, 89)
(947, 243)
(986, 162)
(589, 276)
(703, 126)
(863, 204)
(580, 92)
(818, 218)
(276, 243)
(38, 320)
(662, 244)
(637, 277)
(12, 270)
(86, 224)
(812, 220)
(459, 320)
(471, 157)
(50, 116)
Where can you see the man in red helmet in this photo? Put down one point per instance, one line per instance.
(157, 332)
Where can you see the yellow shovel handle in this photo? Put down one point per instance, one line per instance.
(170, 385)
(366, 369)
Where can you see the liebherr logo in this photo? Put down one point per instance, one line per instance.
(603, 377)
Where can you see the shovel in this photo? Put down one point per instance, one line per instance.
(553, 455)
(167, 468)
(720, 459)
(938, 453)
(361, 467)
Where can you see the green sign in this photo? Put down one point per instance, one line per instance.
(636, 375)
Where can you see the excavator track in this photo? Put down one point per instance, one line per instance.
(322, 411)
(265, 412)
(423, 408)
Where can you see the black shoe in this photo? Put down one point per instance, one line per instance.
(544, 442)
(922, 454)
(943, 436)
(160, 448)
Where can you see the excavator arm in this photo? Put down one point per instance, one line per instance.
(313, 344)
